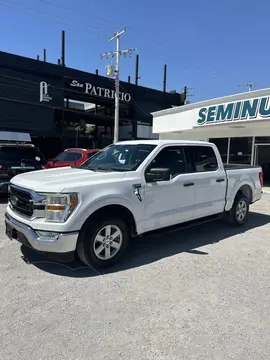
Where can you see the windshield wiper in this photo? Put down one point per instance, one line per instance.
(114, 168)
(82, 167)
(105, 168)
(102, 168)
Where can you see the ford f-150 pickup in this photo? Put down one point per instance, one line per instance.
(127, 189)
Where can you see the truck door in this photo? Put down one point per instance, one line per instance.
(169, 202)
(209, 178)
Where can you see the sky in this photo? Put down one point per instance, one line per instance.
(210, 46)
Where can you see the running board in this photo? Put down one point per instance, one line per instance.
(183, 226)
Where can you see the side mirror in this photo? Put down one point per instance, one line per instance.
(158, 174)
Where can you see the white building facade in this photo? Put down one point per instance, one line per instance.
(239, 125)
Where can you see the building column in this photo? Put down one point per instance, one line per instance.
(252, 150)
(228, 150)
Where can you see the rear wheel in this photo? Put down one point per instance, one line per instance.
(103, 242)
(239, 211)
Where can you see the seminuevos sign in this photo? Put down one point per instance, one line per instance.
(98, 91)
(241, 110)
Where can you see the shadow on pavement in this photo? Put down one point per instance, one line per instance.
(148, 249)
(3, 199)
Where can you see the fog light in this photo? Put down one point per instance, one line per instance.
(47, 235)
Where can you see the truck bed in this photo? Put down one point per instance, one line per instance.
(239, 166)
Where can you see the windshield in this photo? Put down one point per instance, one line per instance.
(68, 156)
(19, 153)
(119, 157)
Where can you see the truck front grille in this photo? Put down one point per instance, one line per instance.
(21, 201)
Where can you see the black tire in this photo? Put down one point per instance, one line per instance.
(88, 243)
(235, 219)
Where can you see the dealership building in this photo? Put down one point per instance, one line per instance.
(239, 125)
(62, 107)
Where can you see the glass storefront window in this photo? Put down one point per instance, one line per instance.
(262, 140)
(222, 145)
(262, 158)
(240, 150)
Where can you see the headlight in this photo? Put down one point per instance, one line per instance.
(59, 206)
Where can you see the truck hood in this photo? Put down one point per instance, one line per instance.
(56, 180)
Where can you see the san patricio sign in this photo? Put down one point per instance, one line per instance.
(97, 91)
(251, 109)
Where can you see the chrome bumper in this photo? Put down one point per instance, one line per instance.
(257, 197)
(60, 243)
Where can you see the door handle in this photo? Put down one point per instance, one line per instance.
(220, 180)
(188, 184)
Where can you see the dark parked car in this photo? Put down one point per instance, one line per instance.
(16, 159)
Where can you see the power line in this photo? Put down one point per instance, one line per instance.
(152, 40)
(59, 19)
(116, 36)
(138, 33)
(96, 31)
(49, 2)
(133, 101)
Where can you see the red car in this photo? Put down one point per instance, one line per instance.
(70, 157)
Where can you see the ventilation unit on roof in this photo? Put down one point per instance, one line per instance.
(15, 136)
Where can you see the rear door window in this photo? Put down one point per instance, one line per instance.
(201, 158)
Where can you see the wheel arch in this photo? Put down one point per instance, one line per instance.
(113, 209)
(246, 189)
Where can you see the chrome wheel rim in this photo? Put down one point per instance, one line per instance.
(108, 242)
(241, 210)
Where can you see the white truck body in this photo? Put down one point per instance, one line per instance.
(152, 205)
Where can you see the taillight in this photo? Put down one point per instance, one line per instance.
(261, 178)
(1, 166)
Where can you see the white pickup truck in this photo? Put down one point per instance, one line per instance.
(129, 188)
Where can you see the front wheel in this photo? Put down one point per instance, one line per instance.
(239, 211)
(103, 242)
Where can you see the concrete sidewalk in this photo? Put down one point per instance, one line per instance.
(266, 189)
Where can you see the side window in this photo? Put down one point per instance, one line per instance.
(76, 156)
(171, 157)
(201, 158)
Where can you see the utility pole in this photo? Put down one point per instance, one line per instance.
(249, 85)
(187, 93)
(137, 77)
(117, 54)
(165, 78)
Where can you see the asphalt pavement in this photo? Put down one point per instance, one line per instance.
(202, 293)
